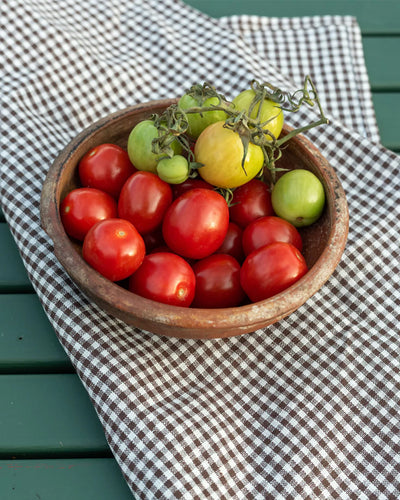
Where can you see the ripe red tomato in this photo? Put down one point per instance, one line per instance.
(266, 230)
(250, 201)
(218, 282)
(196, 223)
(105, 167)
(114, 248)
(232, 244)
(144, 200)
(153, 240)
(178, 189)
(83, 207)
(271, 269)
(164, 277)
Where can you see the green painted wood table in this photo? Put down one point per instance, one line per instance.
(52, 445)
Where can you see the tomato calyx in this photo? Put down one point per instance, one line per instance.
(226, 193)
(171, 125)
(201, 93)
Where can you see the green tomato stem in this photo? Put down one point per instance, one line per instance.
(173, 123)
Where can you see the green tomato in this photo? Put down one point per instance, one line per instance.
(198, 122)
(269, 111)
(140, 148)
(298, 197)
(173, 170)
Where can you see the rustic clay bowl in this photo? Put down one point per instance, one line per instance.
(324, 242)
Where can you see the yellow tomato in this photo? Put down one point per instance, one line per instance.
(270, 110)
(221, 151)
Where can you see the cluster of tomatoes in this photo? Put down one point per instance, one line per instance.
(147, 224)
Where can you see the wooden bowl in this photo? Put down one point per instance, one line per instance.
(323, 242)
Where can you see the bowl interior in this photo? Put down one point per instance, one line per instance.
(323, 242)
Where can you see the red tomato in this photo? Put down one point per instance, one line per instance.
(218, 282)
(178, 189)
(106, 167)
(196, 223)
(114, 248)
(83, 207)
(271, 269)
(153, 240)
(164, 277)
(250, 201)
(144, 200)
(266, 230)
(161, 248)
(232, 244)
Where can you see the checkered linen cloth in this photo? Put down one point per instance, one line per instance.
(307, 408)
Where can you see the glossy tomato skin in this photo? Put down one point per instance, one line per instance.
(164, 277)
(271, 269)
(178, 189)
(299, 197)
(196, 223)
(221, 151)
(250, 201)
(218, 282)
(83, 207)
(232, 244)
(114, 248)
(270, 229)
(144, 200)
(105, 167)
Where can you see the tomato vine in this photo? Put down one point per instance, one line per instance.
(173, 123)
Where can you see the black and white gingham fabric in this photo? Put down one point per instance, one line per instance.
(329, 49)
(308, 408)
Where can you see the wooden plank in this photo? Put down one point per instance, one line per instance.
(28, 342)
(374, 17)
(13, 275)
(48, 416)
(382, 73)
(72, 479)
(387, 106)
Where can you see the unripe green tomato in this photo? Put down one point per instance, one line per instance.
(198, 122)
(298, 197)
(270, 110)
(140, 148)
(173, 170)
